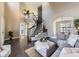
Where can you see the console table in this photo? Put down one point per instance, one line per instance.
(45, 48)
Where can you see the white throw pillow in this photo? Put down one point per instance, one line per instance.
(72, 40)
(61, 42)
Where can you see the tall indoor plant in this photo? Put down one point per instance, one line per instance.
(76, 23)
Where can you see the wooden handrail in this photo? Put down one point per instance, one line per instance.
(32, 27)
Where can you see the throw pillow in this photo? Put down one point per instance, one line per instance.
(72, 40)
(77, 44)
(63, 43)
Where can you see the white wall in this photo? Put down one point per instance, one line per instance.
(48, 17)
(12, 18)
(52, 13)
(2, 32)
(69, 10)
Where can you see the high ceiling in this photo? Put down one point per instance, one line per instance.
(31, 4)
(60, 5)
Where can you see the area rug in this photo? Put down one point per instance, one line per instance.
(31, 52)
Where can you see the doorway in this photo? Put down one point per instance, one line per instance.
(39, 21)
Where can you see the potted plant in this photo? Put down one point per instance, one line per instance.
(76, 23)
(10, 33)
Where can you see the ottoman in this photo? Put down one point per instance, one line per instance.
(45, 48)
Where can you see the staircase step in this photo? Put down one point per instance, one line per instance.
(38, 30)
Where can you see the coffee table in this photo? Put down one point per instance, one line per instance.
(45, 48)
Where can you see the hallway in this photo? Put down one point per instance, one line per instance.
(18, 47)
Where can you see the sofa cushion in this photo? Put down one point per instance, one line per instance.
(63, 43)
(72, 40)
(71, 55)
(56, 53)
(77, 44)
(69, 52)
(59, 49)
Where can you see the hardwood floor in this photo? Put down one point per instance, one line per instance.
(18, 47)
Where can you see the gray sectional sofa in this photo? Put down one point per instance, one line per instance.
(59, 49)
(62, 44)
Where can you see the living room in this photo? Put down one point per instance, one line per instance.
(44, 29)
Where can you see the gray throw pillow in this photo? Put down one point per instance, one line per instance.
(63, 43)
(77, 43)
